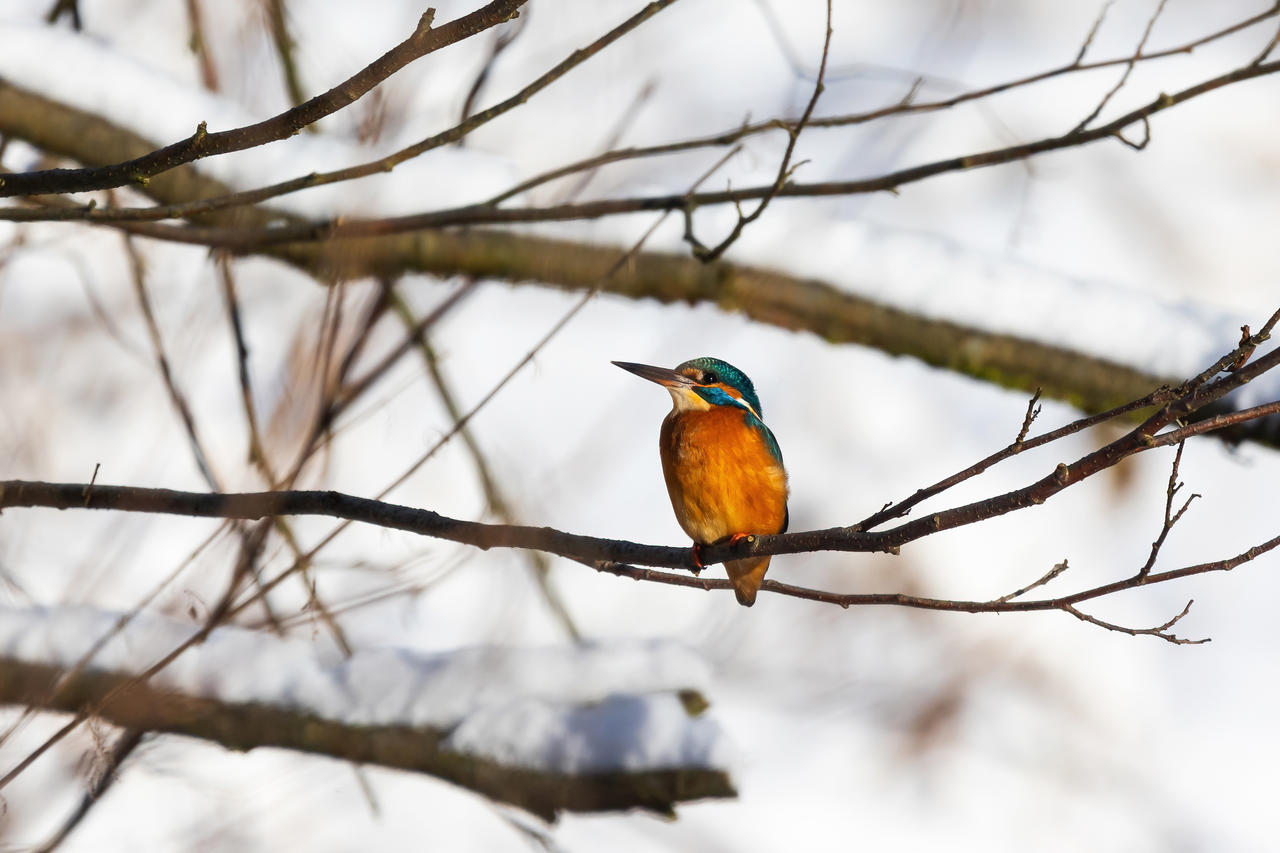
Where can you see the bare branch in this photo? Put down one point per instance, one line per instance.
(1033, 412)
(424, 40)
(278, 26)
(615, 555)
(1170, 517)
(1090, 383)
(1041, 581)
(1128, 69)
(1160, 397)
(890, 182)
(226, 199)
(200, 46)
(785, 169)
(1093, 31)
(501, 42)
(70, 8)
(257, 239)
(1160, 631)
(103, 778)
(855, 538)
(539, 565)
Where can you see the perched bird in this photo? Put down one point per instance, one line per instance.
(722, 464)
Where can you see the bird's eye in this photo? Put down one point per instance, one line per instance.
(709, 377)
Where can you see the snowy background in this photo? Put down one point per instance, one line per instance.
(888, 729)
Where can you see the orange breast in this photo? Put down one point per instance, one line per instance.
(721, 476)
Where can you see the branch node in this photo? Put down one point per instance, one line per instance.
(1033, 411)
(1246, 347)
(1146, 136)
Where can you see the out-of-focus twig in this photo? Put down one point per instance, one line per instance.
(278, 25)
(70, 8)
(105, 776)
(539, 565)
(502, 39)
(200, 46)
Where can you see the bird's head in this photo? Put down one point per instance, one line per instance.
(700, 383)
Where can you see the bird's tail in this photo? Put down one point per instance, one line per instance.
(746, 577)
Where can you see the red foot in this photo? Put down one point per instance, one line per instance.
(697, 558)
(698, 547)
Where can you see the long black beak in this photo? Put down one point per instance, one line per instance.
(661, 375)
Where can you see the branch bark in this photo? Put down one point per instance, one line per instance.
(244, 726)
(1170, 406)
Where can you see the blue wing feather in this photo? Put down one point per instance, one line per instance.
(767, 434)
(775, 451)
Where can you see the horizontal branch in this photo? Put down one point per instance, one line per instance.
(1168, 406)
(907, 106)
(334, 504)
(240, 239)
(1176, 405)
(1171, 406)
(790, 302)
(255, 505)
(120, 700)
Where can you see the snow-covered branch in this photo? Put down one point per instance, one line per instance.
(592, 727)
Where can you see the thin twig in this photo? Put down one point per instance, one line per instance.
(278, 26)
(1160, 631)
(1093, 31)
(176, 396)
(1128, 69)
(200, 46)
(1159, 397)
(501, 41)
(1039, 582)
(425, 39)
(258, 239)
(539, 565)
(104, 777)
(1170, 517)
(785, 169)
(1033, 412)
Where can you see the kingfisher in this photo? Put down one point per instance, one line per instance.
(722, 465)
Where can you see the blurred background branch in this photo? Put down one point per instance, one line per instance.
(1087, 382)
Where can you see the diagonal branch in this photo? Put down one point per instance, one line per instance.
(1128, 68)
(424, 40)
(226, 199)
